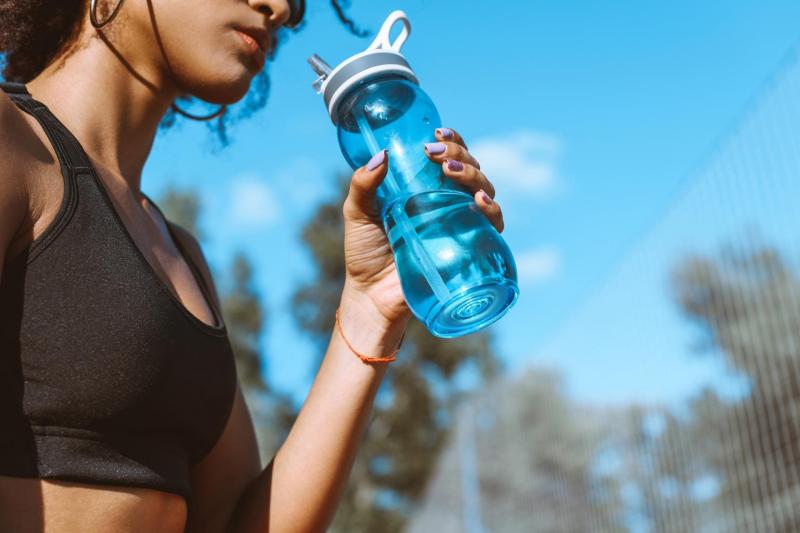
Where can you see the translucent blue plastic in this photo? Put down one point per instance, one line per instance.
(458, 274)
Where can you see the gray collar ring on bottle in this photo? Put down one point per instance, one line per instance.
(380, 58)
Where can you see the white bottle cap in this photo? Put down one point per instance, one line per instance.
(380, 58)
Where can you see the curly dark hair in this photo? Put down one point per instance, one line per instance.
(33, 33)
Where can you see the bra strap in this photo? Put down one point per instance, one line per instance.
(70, 153)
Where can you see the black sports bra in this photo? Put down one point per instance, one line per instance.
(105, 377)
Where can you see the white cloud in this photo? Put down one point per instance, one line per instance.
(538, 265)
(523, 161)
(253, 202)
(301, 182)
(256, 199)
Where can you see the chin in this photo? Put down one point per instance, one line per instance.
(219, 76)
(223, 91)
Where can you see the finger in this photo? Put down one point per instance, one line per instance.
(467, 175)
(451, 135)
(491, 209)
(360, 199)
(439, 151)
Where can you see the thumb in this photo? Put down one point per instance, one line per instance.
(365, 181)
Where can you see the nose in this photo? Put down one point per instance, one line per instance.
(277, 11)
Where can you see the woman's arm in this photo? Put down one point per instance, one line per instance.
(13, 183)
(301, 488)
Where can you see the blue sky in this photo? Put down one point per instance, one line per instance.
(587, 116)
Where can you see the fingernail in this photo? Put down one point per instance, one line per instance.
(446, 133)
(455, 166)
(435, 148)
(377, 160)
(485, 197)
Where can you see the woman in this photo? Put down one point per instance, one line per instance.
(120, 409)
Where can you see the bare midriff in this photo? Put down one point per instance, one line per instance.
(37, 505)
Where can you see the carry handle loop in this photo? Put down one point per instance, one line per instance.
(382, 39)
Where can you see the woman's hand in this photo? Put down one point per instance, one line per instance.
(371, 275)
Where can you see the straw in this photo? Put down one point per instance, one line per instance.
(423, 259)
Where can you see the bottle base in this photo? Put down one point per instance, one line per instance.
(472, 309)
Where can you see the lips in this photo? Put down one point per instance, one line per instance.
(256, 38)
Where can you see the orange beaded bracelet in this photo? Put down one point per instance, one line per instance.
(365, 359)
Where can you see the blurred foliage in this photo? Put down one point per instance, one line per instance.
(245, 319)
(729, 460)
(549, 448)
(412, 412)
(746, 304)
(524, 458)
(244, 316)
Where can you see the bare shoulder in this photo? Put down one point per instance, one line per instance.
(11, 148)
(30, 170)
(6, 106)
(16, 144)
(14, 178)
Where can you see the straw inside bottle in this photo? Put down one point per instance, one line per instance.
(424, 261)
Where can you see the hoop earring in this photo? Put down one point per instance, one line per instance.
(93, 16)
(186, 114)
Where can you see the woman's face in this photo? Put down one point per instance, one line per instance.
(211, 49)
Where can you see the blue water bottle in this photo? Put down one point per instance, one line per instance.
(457, 273)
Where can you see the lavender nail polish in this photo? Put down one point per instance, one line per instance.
(446, 133)
(486, 197)
(377, 160)
(455, 166)
(435, 148)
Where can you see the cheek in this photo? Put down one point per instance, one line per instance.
(207, 57)
(216, 71)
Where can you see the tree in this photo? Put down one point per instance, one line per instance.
(411, 415)
(524, 458)
(746, 304)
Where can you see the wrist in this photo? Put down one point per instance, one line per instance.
(363, 325)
